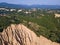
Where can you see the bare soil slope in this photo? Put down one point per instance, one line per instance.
(21, 35)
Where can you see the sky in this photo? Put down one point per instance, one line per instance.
(31, 2)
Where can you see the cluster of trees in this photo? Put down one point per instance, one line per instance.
(49, 26)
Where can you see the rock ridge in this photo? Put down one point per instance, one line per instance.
(21, 35)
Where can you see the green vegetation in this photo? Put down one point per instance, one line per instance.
(41, 22)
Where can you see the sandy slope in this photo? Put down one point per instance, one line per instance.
(21, 35)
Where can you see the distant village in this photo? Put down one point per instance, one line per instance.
(30, 11)
(18, 10)
(10, 9)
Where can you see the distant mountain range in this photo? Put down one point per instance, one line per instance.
(7, 5)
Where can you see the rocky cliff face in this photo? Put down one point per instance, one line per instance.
(21, 35)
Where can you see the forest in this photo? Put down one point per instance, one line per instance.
(41, 22)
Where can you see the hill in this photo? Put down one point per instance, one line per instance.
(21, 35)
(7, 5)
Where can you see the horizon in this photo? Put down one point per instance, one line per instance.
(33, 2)
(23, 4)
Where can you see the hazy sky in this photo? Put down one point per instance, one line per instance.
(30, 2)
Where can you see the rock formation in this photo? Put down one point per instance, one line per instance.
(21, 35)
